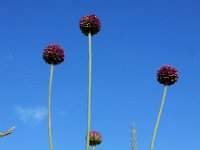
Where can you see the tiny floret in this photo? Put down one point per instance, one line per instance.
(53, 54)
(167, 75)
(90, 24)
(95, 138)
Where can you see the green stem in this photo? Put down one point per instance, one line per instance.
(89, 88)
(49, 107)
(158, 118)
(93, 147)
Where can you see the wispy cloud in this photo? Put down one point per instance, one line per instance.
(31, 115)
(7, 58)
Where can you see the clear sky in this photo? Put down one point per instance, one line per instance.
(136, 38)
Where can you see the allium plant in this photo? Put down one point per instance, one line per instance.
(89, 25)
(95, 139)
(166, 75)
(53, 54)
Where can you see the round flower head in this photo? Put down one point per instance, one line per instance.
(167, 75)
(90, 24)
(95, 138)
(53, 54)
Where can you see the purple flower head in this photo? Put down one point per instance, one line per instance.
(95, 138)
(90, 24)
(53, 54)
(167, 75)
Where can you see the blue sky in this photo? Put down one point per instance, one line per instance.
(136, 38)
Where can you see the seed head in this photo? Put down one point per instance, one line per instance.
(167, 75)
(53, 54)
(95, 138)
(90, 24)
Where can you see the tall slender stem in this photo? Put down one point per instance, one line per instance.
(49, 107)
(89, 87)
(93, 147)
(158, 118)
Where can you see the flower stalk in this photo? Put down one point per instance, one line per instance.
(89, 88)
(49, 107)
(158, 118)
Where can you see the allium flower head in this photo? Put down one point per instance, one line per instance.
(167, 75)
(90, 24)
(95, 138)
(53, 54)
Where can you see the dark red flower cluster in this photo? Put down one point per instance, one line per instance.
(90, 24)
(53, 54)
(95, 138)
(167, 75)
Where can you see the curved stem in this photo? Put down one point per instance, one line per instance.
(9, 131)
(89, 88)
(158, 118)
(49, 108)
